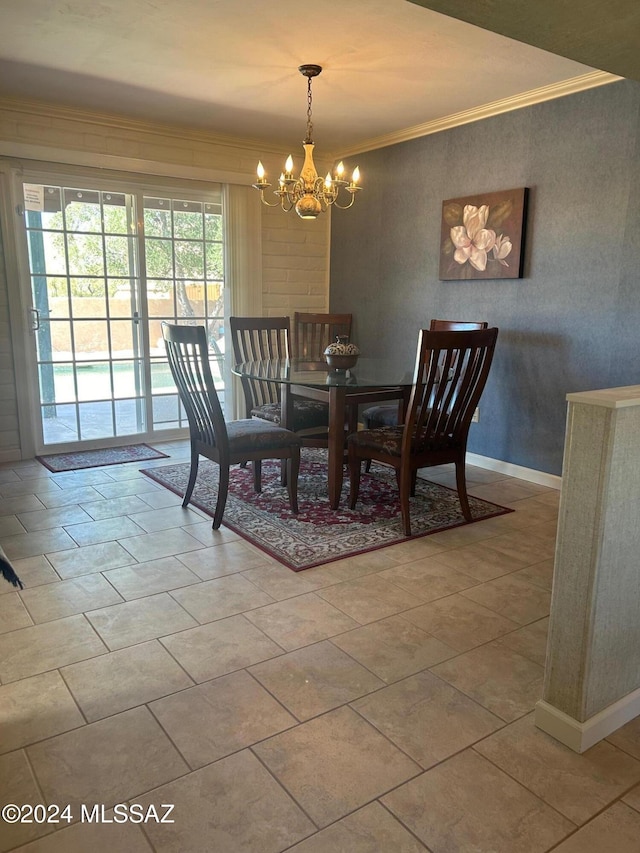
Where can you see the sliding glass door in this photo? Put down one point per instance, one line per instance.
(106, 267)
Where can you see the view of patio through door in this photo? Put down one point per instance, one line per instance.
(107, 267)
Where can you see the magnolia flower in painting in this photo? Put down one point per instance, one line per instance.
(471, 239)
(501, 249)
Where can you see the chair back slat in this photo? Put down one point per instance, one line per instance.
(450, 375)
(312, 333)
(254, 339)
(188, 358)
(455, 326)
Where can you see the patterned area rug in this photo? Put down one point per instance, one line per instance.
(58, 462)
(318, 534)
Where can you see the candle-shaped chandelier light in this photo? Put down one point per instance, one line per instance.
(309, 194)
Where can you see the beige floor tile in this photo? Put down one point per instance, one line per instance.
(30, 651)
(69, 497)
(26, 487)
(126, 487)
(36, 708)
(220, 647)
(427, 718)
(121, 680)
(533, 543)
(530, 641)
(334, 764)
(627, 738)
(40, 542)
(137, 621)
(506, 683)
(516, 599)
(428, 579)
(393, 649)
(415, 549)
(18, 786)
(165, 543)
(32, 571)
(633, 798)
(300, 621)
(458, 537)
(68, 597)
(481, 561)
(10, 526)
(83, 477)
(213, 813)
(160, 499)
(206, 535)
(369, 830)
(96, 837)
(278, 581)
(459, 622)
(220, 717)
(540, 574)
(92, 558)
(107, 530)
(43, 519)
(13, 614)
(99, 510)
(578, 786)
(226, 558)
(617, 829)
(315, 679)
(219, 598)
(370, 598)
(107, 762)
(506, 492)
(154, 520)
(22, 503)
(474, 806)
(347, 569)
(150, 578)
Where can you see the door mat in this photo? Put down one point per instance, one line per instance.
(58, 462)
(318, 534)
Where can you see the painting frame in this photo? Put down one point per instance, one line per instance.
(482, 236)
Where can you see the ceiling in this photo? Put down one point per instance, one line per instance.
(230, 66)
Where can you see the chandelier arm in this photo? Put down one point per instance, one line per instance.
(345, 206)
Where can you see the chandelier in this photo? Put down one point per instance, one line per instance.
(309, 194)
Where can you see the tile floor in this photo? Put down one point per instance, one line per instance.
(379, 704)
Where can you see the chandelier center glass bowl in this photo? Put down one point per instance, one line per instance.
(309, 194)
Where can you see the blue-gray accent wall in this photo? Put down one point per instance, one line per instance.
(573, 322)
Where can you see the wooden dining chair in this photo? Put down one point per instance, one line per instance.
(438, 416)
(257, 338)
(387, 414)
(246, 440)
(312, 333)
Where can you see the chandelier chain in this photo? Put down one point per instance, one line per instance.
(309, 102)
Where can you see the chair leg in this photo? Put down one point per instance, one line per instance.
(367, 466)
(257, 475)
(461, 483)
(193, 473)
(223, 491)
(414, 477)
(355, 465)
(283, 472)
(293, 469)
(405, 490)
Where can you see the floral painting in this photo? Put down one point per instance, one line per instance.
(483, 236)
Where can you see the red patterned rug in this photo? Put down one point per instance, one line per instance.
(319, 534)
(58, 462)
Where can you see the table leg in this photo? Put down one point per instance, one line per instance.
(337, 396)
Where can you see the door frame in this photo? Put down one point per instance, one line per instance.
(20, 298)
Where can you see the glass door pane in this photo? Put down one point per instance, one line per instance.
(184, 263)
(85, 288)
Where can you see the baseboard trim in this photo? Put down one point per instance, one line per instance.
(529, 474)
(582, 736)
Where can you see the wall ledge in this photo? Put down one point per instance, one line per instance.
(511, 470)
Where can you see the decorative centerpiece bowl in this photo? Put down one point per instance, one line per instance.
(341, 355)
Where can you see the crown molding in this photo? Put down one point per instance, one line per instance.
(516, 102)
(118, 122)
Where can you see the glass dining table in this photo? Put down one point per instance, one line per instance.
(370, 380)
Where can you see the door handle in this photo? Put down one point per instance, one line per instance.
(35, 320)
